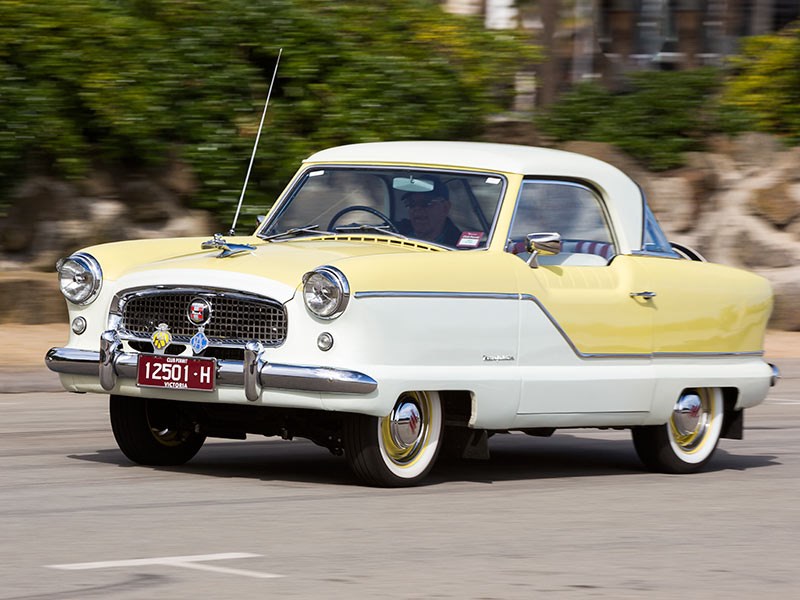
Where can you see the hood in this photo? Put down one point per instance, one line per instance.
(272, 268)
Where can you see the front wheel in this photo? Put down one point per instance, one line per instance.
(153, 432)
(688, 440)
(400, 449)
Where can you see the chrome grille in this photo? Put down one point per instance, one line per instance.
(236, 318)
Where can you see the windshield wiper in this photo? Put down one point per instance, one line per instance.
(358, 227)
(294, 231)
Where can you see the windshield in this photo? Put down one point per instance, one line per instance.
(447, 208)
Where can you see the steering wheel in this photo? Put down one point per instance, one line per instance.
(369, 209)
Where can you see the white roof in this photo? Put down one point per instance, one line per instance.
(623, 197)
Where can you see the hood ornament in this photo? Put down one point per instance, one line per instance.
(228, 249)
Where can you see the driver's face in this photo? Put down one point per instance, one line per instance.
(427, 214)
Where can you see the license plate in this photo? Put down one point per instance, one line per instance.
(176, 372)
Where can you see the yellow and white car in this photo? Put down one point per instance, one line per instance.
(404, 295)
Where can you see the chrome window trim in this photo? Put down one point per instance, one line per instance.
(647, 212)
(585, 185)
(553, 321)
(283, 202)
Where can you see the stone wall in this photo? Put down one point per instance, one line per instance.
(49, 219)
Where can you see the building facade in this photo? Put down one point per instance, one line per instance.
(603, 39)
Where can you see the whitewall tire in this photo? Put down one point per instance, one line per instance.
(399, 449)
(690, 437)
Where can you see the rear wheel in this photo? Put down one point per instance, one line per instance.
(153, 432)
(688, 440)
(399, 449)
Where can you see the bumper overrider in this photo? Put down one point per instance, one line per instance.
(253, 373)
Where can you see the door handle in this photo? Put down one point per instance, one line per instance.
(645, 295)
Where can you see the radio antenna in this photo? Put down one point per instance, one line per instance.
(255, 146)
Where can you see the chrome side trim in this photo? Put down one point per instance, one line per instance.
(399, 294)
(229, 372)
(706, 354)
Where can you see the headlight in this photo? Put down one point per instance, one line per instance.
(326, 292)
(79, 277)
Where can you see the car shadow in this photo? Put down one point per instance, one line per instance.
(512, 458)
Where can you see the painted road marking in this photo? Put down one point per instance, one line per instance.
(186, 562)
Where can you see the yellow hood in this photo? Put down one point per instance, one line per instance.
(282, 261)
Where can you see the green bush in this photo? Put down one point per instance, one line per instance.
(660, 116)
(127, 83)
(766, 83)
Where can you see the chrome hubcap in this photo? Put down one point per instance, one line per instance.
(405, 424)
(687, 413)
(404, 432)
(690, 420)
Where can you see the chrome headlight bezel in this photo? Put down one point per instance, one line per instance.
(326, 292)
(80, 278)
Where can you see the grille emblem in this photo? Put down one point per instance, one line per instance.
(199, 341)
(199, 311)
(161, 338)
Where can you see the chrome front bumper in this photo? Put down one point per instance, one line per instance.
(253, 373)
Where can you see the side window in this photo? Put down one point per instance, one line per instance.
(654, 241)
(570, 209)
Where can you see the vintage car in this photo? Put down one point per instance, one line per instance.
(404, 297)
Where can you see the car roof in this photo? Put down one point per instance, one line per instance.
(623, 196)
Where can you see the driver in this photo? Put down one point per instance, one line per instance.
(428, 217)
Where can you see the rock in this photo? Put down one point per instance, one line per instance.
(756, 250)
(789, 164)
(37, 200)
(179, 178)
(779, 205)
(786, 286)
(99, 184)
(148, 202)
(726, 175)
(794, 229)
(672, 200)
(701, 170)
(31, 298)
(191, 223)
(758, 150)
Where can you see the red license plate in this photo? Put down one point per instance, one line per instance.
(176, 372)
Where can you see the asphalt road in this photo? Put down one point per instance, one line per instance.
(574, 515)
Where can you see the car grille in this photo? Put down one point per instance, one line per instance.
(236, 318)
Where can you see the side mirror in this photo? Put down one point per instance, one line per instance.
(546, 244)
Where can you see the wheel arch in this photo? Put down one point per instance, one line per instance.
(733, 419)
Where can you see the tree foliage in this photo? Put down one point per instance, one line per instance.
(660, 116)
(766, 82)
(127, 83)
